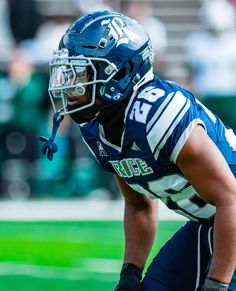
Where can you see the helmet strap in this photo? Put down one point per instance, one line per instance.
(50, 147)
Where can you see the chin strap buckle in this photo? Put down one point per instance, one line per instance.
(50, 147)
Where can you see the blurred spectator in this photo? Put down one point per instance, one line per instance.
(7, 41)
(46, 39)
(142, 12)
(24, 19)
(211, 58)
(22, 90)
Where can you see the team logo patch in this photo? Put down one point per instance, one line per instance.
(135, 147)
(102, 152)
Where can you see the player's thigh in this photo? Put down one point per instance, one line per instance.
(182, 262)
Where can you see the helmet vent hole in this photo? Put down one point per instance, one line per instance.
(102, 43)
(89, 46)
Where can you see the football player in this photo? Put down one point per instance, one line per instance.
(160, 142)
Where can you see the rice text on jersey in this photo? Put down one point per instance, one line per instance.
(128, 168)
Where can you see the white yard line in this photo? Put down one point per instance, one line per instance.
(70, 210)
(90, 268)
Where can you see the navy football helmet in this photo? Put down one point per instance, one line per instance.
(104, 55)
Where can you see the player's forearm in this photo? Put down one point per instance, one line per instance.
(224, 253)
(140, 224)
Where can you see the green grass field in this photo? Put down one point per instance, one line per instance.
(81, 255)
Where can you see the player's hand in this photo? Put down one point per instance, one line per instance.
(130, 277)
(214, 285)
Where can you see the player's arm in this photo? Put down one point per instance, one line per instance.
(206, 169)
(140, 224)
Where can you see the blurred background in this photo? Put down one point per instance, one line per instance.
(71, 200)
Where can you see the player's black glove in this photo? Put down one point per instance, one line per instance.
(214, 285)
(130, 277)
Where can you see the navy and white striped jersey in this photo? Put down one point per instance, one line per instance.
(158, 120)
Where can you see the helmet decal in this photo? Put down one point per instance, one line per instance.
(118, 29)
(116, 26)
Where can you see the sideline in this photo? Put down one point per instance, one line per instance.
(50, 210)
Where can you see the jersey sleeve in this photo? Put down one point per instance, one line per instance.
(170, 124)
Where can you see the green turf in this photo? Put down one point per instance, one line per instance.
(82, 255)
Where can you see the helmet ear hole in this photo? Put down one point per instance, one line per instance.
(120, 75)
(131, 67)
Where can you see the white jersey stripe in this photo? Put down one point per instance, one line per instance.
(182, 140)
(231, 138)
(163, 123)
(159, 111)
(171, 129)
